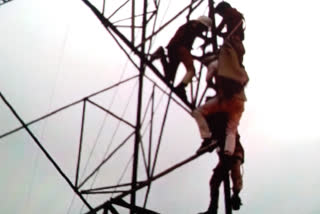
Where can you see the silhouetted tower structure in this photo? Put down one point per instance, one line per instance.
(142, 30)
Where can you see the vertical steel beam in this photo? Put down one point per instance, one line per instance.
(213, 28)
(133, 23)
(80, 143)
(227, 199)
(138, 120)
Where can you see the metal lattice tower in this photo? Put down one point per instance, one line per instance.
(134, 34)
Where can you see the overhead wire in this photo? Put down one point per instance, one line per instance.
(104, 120)
(101, 128)
(146, 128)
(53, 94)
(115, 131)
(123, 172)
(26, 205)
(109, 146)
(155, 22)
(99, 135)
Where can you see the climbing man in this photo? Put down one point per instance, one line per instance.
(233, 20)
(179, 49)
(218, 122)
(230, 80)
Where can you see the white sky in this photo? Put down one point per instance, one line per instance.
(55, 52)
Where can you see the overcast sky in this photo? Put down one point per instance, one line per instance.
(56, 52)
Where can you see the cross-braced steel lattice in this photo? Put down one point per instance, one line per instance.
(133, 26)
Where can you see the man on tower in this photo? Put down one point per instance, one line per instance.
(227, 163)
(179, 49)
(230, 79)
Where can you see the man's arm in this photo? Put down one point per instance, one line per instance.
(207, 40)
(218, 30)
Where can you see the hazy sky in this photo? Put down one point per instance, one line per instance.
(56, 52)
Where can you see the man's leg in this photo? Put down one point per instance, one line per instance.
(212, 106)
(157, 54)
(170, 68)
(236, 177)
(215, 182)
(186, 58)
(235, 109)
(219, 173)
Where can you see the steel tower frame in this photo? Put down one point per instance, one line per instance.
(141, 49)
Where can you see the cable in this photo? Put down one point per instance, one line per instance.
(26, 205)
(123, 173)
(100, 132)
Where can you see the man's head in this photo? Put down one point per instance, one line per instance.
(205, 20)
(220, 8)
